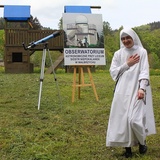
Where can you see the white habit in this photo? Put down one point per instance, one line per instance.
(131, 120)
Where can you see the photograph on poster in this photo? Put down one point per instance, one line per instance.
(84, 40)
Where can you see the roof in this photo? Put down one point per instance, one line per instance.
(77, 9)
(16, 12)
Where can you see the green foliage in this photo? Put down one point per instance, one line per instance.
(150, 40)
(2, 23)
(154, 25)
(154, 61)
(36, 58)
(35, 23)
(111, 45)
(155, 72)
(62, 131)
(60, 24)
(1, 44)
(106, 28)
(149, 34)
(143, 28)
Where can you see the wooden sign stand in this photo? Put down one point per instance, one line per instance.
(81, 82)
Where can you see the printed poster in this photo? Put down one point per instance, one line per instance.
(84, 40)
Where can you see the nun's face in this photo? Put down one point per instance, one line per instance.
(127, 41)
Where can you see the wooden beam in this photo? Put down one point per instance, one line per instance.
(96, 7)
(81, 82)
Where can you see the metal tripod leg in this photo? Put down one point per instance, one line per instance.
(55, 78)
(42, 75)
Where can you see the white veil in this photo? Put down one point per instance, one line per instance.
(131, 33)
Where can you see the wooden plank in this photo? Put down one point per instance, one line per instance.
(81, 81)
(14, 36)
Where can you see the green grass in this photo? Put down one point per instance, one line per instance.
(62, 130)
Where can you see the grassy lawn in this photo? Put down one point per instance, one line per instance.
(62, 130)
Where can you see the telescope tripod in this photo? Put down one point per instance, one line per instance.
(45, 50)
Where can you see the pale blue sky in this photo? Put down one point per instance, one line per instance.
(127, 13)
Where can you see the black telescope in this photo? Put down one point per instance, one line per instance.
(43, 40)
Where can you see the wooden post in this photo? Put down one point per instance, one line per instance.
(81, 82)
(74, 84)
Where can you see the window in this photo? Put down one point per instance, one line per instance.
(17, 57)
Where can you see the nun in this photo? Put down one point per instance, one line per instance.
(131, 117)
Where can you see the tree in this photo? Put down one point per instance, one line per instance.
(35, 23)
(60, 24)
(2, 23)
(106, 28)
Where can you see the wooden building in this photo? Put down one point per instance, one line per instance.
(17, 31)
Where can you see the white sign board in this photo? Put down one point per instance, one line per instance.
(83, 56)
(84, 40)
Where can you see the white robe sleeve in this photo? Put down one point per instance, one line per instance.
(144, 65)
(143, 84)
(117, 69)
(122, 69)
